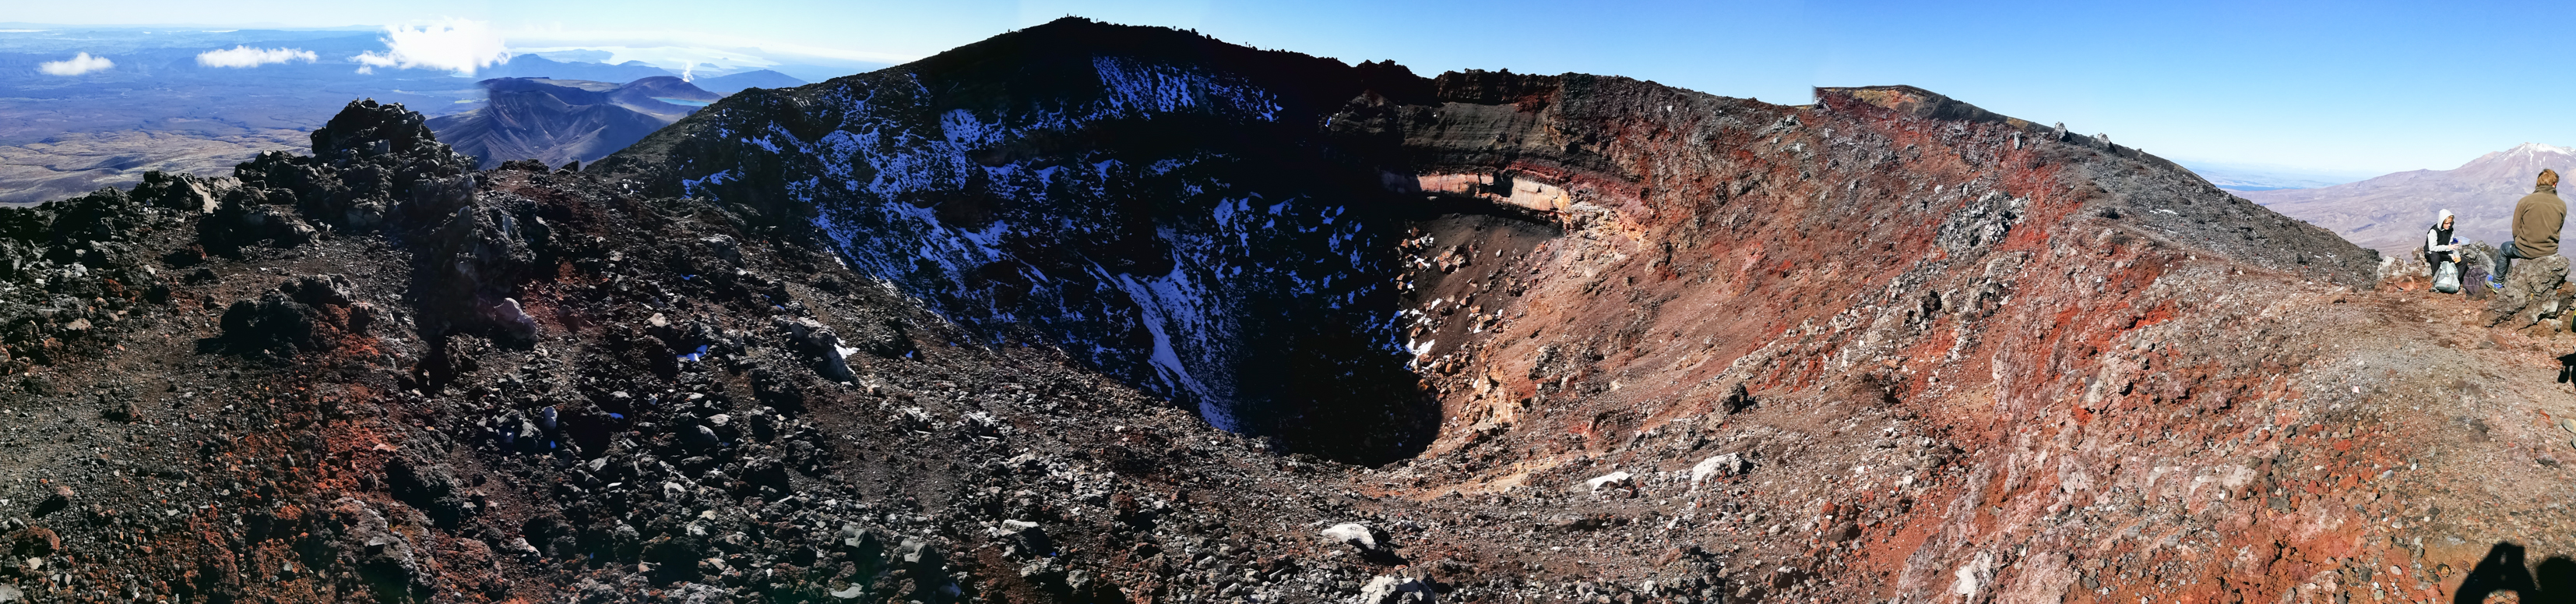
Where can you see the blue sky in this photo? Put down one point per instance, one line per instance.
(2340, 88)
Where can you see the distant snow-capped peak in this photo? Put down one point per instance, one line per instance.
(2523, 155)
(2537, 148)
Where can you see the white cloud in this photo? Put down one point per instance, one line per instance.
(76, 65)
(245, 56)
(456, 45)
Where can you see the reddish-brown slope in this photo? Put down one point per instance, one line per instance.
(2145, 398)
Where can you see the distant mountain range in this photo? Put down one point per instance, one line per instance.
(2255, 177)
(535, 66)
(739, 82)
(153, 104)
(538, 66)
(560, 121)
(2390, 213)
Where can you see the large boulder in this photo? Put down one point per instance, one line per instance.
(368, 161)
(381, 548)
(1731, 464)
(184, 192)
(2534, 290)
(479, 254)
(304, 314)
(820, 345)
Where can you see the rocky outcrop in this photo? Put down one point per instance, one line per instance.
(370, 160)
(2534, 290)
(305, 314)
(72, 270)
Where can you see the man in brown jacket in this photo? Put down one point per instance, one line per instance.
(2536, 221)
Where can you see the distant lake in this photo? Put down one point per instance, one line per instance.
(682, 102)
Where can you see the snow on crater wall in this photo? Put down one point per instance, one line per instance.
(1145, 264)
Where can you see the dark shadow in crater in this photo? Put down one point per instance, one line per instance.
(1326, 382)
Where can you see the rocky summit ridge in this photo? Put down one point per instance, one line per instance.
(967, 329)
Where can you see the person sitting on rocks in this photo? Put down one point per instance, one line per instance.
(2439, 246)
(2536, 221)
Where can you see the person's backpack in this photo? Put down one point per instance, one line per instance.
(2447, 278)
(2474, 272)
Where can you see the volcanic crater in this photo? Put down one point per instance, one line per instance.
(1089, 312)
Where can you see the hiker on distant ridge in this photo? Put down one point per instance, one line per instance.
(2439, 247)
(2536, 221)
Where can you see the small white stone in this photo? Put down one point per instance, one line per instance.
(1613, 479)
(1356, 534)
(1730, 464)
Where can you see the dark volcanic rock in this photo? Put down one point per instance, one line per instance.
(306, 313)
(370, 159)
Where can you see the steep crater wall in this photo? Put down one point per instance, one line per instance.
(1244, 230)
(1161, 208)
(1949, 331)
